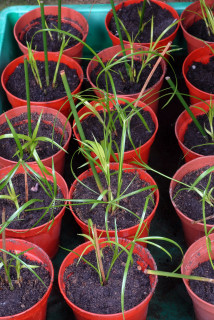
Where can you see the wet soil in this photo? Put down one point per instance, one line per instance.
(84, 290)
(124, 219)
(92, 127)
(26, 293)
(190, 202)
(54, 42)
(130, 17)
(16, 82)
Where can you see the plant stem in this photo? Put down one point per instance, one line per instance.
(44, 43)
(28, 97)
(177, 275)
(4, 244)
(26, 187)
(142, 15)
(81, 133)
(119, 33)
(97, 249)
(152, 72)
(185, 105)
(201, 220)
(59, 14)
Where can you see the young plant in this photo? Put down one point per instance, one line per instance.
(118, 249)
(207, 16)
(146, 56)
(33, 64)
(25, 204)
(18, 265)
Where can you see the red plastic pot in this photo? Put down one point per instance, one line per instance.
(59, 157)
(181, 126)
(188, 17)
(124, 233)
(192, 231)
(151, 94)
(162, 43)
(47, 235)
(195, 255)
(71, 16)
(38, 311)
(202, 55)
(137, 313)
(60, 104)
(131, 155)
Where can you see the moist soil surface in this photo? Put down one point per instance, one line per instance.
(28, 219)
(202, 289)
(92, 127)
(16, 82)
(121, 79)
(84, 290)
(201, 75)
(190, 202)
(27, 293)
(8, 146)
(199, 30)
(53, 44)
(130, 17)
(130, 182)
(194, 140)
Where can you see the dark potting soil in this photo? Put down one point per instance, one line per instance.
(53, 43)
(122, 83)
(84, 290)
(27, 293)
(131, 19)
(190, 202)
(8, 146)
(195, 141)
(130, 182)
(27, 219)
(92, 127)
(201, 75)
(16, 82)
(202, 289)
(199, 30)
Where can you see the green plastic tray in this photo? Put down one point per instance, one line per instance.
(170, 301)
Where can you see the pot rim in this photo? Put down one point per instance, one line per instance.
(45, 109)
(39, 229)
(84, 33)
(37, 55)
(158, 2)
(87, 313)
(47, 293)
(129, 168)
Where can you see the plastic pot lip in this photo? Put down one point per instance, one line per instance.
(106, 316)
(195, 247)
(38, 55)
(113, 165)
(140, 104)
(50, 265)
(44, 109)
(63, 187)
(184, 167)
(181, 120)
(117, 48)
(192, 6)
(203, 51)
(84, 33)
(160, 3)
